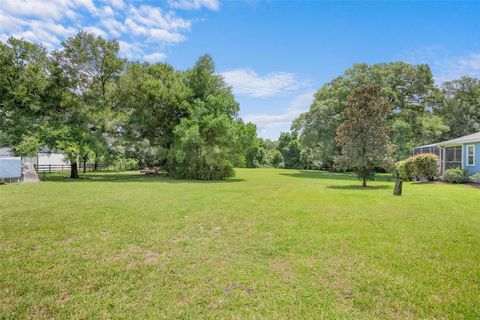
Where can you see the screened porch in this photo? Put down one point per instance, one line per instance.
(448, 157)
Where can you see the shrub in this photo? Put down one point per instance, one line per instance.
(422, 165)
(456, 175)
(405, 169)
(277, 159)
(475, 178)
(126, 164)
(425, 165)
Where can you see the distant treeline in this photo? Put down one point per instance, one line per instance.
(87, 101)
(93, 105)
(422, 112)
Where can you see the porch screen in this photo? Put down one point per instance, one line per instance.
(432, 149)
(453, 157)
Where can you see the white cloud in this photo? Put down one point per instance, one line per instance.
(117, 4)
(444, 65)
(247, 82)
(153, 33)
(155, 57)
(194, 4)
(95, 30)
(86, 4)
(114, 27)
(298, 105)
(149, 16)
(130, 50)
(139, 28)
(10, 24)
(35, 8)
(471, 62)
(107, 11)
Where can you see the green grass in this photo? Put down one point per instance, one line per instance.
(266, 244)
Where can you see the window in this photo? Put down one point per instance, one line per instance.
(471, 155)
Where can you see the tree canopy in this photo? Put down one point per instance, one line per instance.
(87, 101)
(84, 100)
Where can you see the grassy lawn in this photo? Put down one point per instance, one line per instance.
(266, 244)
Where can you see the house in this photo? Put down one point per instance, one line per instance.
(463, 152)
(43, 159)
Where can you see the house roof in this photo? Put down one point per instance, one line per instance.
(427, 146)
(475, 137)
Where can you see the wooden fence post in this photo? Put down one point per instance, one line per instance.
(49, 168)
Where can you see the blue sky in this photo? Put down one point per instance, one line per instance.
(275, 54)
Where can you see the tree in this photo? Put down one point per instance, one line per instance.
(155, 98)
(24, 94)
(409, 88)
(277, 160)
(206, 139)
(289, 146)
(84, 71)
(203, 145)
(460, 108)
(364, 133)
(247, 145)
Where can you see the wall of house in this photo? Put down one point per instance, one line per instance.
(52, 158)
(471, 169)
(7, 152)
(42, 158)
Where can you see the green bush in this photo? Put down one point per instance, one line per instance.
(126, 164)
(422, 165)
(405, 169)
(475, 178)
(277, 159)
(425, 165)
(456, 175)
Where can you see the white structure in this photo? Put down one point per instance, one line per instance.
(43, 158)
(10, 168)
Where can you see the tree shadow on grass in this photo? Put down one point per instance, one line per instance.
(315, 174)
(128, 177)
(380, 187)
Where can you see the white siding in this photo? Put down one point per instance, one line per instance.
(52, 158)
(5, 152)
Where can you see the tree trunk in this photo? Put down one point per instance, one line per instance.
(397, 190)
(364, 184)
(85, 159)
(95, 163)
(74, 170)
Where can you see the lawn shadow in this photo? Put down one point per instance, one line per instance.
(314, 174)
(327, 175)
(128, 177)
(350, 187)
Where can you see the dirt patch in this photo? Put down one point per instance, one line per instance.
(127, 253)
(151, 257)
(284, 269)
(135, 256)
(63, 296)
(235, 286)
